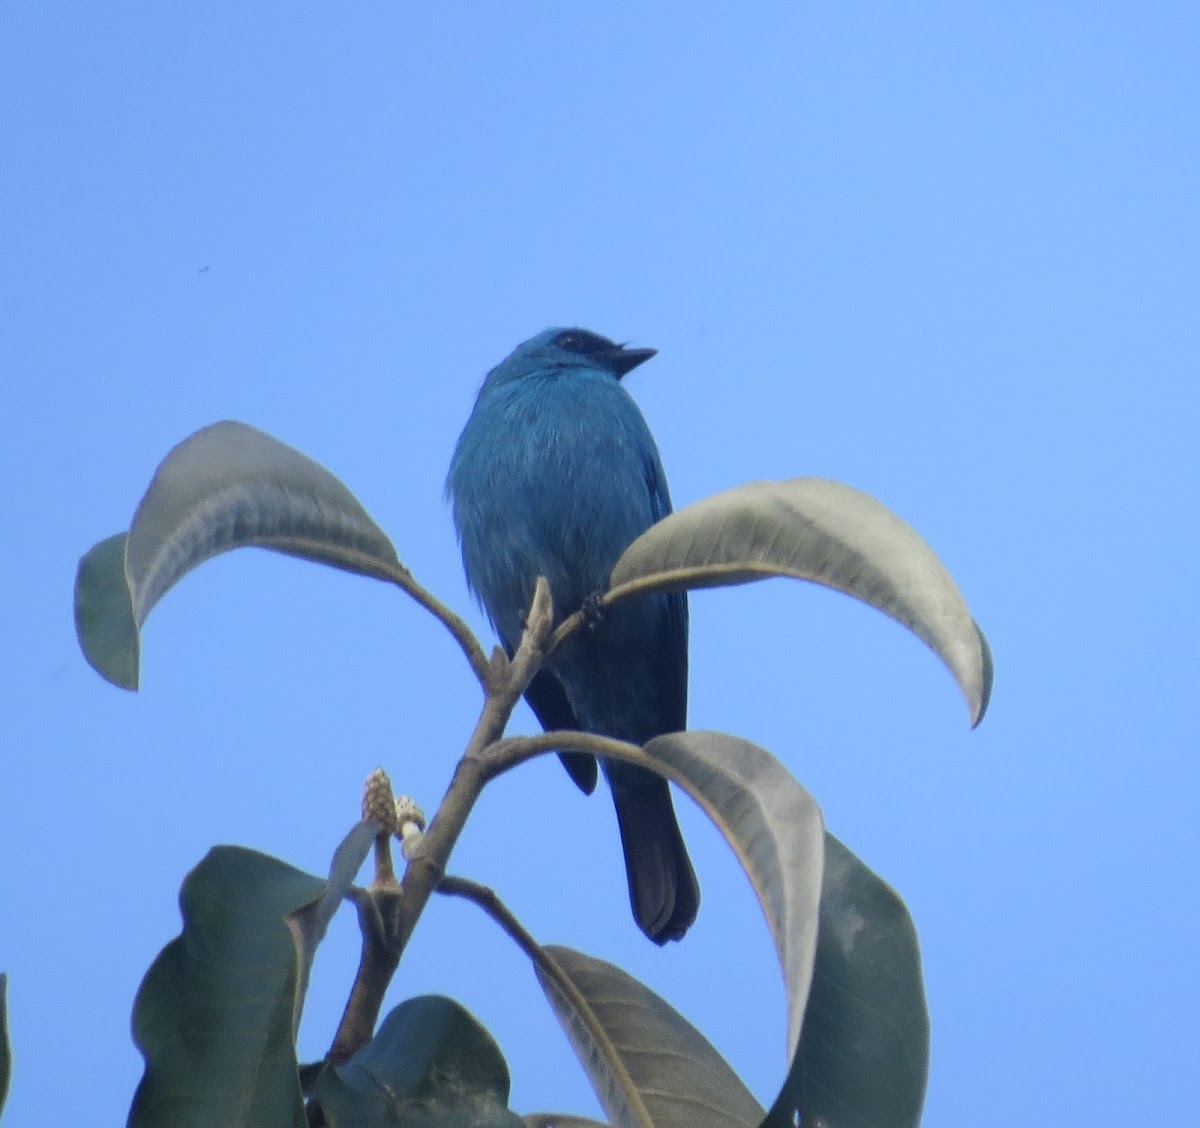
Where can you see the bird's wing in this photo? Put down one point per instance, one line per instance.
(673, 670)
(549, 703)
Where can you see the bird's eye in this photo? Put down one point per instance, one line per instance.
(582, 342)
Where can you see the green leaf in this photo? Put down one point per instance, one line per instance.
(858, 1028)
(864, 1054)
(823, 531)
(310, 923)
(559, 1120)
(650, 1067)
(775, 828)
(108, 635)
(228, 486)
(988, 671)
(430, 1065)
(214, 1016)
(5, 1050)
(647, 1064)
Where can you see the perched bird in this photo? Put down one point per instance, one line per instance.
(554, 475)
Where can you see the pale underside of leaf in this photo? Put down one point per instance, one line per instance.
(825, 532)
(858, 1028)
(230, 486)
(559, 1120)
(776, 830)
(650, 1067)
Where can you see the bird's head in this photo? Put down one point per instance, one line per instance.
(560, 349)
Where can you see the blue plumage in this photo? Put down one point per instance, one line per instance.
(555, 474)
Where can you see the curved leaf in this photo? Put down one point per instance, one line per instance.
(227, 486)
(104, 624)
(559, 1120)
(988, 671)
(5, 1051)
(214, 1015)
(864, 1054)
(774, 826)
(858, 1028)
(650, 1067)
(823, 531)
(430, 1065)
(310, 922)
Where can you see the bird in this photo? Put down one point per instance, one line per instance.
(555, 474)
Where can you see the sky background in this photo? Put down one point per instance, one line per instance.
(945, 253)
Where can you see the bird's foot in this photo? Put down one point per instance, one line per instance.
(593, 610)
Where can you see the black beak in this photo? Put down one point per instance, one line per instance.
(623, 361)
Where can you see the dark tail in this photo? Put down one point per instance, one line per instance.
(663, 890)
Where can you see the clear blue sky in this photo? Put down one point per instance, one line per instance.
(946, 253)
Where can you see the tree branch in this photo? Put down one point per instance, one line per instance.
(398, 909)
(377, 963)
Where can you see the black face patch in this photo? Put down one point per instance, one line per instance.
(585, 343)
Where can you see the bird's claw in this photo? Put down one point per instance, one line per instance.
(593, 610)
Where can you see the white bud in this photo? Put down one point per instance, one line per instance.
(410, 838)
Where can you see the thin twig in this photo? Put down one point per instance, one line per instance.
(546, 966)
(490, 903)
(502, 755)
(457, 626)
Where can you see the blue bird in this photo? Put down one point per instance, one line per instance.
(554, 475)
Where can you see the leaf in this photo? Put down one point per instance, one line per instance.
(988, 671)
(310, 923)
(228, 486)
(647, 1064)
(650, 1067)
(858, 1028)
(104, 624)
(5, 1050)
(560, 1120)
(214, 1015)
(823, 531)
(864, 1054)
(775, 828)
(430, 1065)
